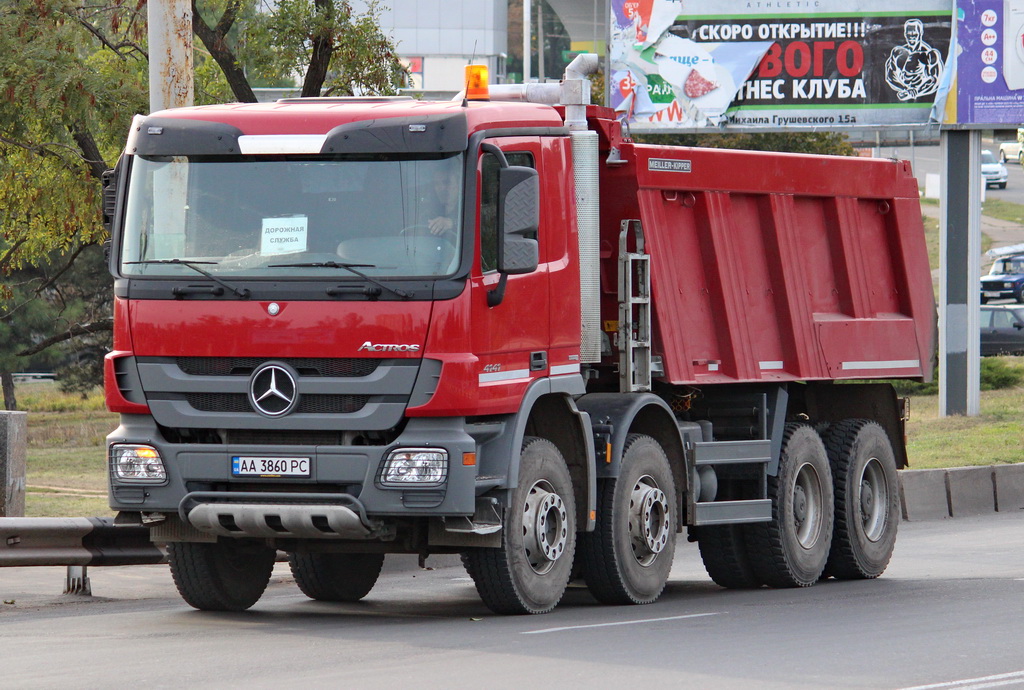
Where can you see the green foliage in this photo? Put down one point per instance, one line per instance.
(292, 36)
(829, 143)
(39, 397)
(72, 76)
(996, 374)
(65, 103)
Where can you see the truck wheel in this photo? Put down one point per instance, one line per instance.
(867, 499)
(723, 548)
(628, 556)
(792, 549)
(336, 576)
(724, 552)
(529, 572)
(220, 577)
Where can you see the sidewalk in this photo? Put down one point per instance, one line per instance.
(961, 491)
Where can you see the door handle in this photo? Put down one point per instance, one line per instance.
(538, 361)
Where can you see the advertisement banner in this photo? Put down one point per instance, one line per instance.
(989, 83)
(765, 64)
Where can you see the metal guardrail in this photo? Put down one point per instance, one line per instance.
(76, 541)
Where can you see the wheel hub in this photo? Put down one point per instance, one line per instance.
(867, 497)
(799, 505)
(545, 533)
(807, 506)
(874, 500)
(648, 520)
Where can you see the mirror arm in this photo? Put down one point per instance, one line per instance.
(497, 295)
(498, 153)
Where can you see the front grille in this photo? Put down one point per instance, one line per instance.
(332, 404)
(306, 366)
(311, 404)
(219, 402)
(265, 437)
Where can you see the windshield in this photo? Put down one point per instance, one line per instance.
(258, 217)
(1007, 267)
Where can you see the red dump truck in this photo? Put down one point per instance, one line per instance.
(497, 327)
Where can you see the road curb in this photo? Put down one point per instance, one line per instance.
(961, 491)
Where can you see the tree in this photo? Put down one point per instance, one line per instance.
(831, 143)
(73, 74)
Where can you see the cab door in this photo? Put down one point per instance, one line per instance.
(510, 339)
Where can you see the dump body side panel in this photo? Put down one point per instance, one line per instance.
(779, 267)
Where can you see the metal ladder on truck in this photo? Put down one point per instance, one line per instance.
(634, 310)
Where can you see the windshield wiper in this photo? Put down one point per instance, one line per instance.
(241, 292)
(351, 268)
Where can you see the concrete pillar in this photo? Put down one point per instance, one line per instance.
(13, 440)
(959, 284)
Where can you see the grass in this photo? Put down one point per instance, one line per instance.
(994, 437)
(66, 455)
(1003, 210)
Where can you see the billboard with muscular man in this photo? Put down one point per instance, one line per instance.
(683, 64)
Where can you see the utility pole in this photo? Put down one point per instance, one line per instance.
(527, 33)
(170, 54)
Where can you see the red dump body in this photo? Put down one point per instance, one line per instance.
(775, 267)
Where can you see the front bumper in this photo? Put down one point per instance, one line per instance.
(1000, 290)
(343, 482)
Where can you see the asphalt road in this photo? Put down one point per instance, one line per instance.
(948, 611)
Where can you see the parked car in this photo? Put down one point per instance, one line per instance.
(1002, 330)
(993, 171)
(1005, 280)
(1012, 150)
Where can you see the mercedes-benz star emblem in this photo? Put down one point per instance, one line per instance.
(272, 390)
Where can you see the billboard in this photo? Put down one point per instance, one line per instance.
(827, 64)
(989, 55)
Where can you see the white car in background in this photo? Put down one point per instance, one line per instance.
(1012, 150)
(993, 172)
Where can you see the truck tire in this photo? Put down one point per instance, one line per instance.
(220, 577)
(723, 549)
(628, 556)
(791, 550)
(529, 572)
(336, 576)
(867, 504)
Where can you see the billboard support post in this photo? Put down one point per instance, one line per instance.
(959, 247)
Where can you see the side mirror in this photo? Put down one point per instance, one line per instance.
(518, 219)
(109, 197)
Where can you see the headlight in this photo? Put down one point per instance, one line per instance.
(415, 467)
(132, 463)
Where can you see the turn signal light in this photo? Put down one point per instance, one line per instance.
(476, 83)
